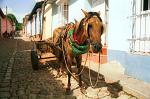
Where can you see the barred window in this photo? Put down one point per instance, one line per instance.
(66, 12)
(63, 13)
(140, 37)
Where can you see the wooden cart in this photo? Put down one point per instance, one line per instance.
(39, 48)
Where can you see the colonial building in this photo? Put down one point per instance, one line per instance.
(127, 34)
(48, 19)
(1, 17)
(6, 25)
(26, 24)
(33, 22)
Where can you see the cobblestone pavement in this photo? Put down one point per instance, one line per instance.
(7, 50)
(7, 47)
(26, 83)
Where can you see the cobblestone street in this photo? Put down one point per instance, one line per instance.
(19, 81)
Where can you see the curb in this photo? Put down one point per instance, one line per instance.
(135, 87)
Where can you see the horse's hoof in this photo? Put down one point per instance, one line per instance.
(68, 91)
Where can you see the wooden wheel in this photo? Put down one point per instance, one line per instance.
(34, 60)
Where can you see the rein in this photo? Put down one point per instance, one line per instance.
(98, 72)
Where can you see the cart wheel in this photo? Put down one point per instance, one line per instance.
(34, 60)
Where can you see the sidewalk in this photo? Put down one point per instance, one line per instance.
(114, 72)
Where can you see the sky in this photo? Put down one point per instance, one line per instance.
(18, 7)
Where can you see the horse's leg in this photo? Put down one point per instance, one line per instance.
(59, 70)
(78, 60)
(61, 67)
(69, 83)
(69, 63)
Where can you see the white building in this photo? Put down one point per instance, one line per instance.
(33, 22)
(127, 33)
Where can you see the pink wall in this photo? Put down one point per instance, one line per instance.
(9, 26)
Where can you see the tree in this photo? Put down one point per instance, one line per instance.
(14, 20)
(19, 26)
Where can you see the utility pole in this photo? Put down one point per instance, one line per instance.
(6, 18)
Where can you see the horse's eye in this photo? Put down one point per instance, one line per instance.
(89, 29)
(90, 26)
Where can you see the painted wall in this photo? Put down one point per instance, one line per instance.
(37, 24)
(8, 27)
(55, 16)
(75, 12)
(119, 25)
(33, 25)
(136, 66)
(28, 29)
(48, 21)
(119, 30)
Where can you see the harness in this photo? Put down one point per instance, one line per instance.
(76, 48)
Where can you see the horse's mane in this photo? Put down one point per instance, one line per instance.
(90, 14)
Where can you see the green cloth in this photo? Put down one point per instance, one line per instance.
(77, 49)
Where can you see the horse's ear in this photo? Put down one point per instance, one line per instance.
(75, 21)
(85, 13)
(99, 13)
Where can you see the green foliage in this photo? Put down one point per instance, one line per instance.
(18, 25)
(12, 18)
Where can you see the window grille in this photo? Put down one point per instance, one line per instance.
(63, 13)
(140, 38)
(66, 12)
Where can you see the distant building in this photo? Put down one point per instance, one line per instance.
(1, 18)
(33, 22)
(26, 26)
(127, 32)
(5, 24)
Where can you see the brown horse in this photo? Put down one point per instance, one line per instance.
(77, 39)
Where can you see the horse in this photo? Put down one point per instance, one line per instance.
(73, 40)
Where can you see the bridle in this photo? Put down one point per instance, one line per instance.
(85, 20)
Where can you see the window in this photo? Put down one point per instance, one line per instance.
(140, 31)
(66, 12)
(145, 5)
(97, 2)
(63, 13)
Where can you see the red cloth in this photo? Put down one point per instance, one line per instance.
(75, 39)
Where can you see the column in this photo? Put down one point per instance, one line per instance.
(38, 21)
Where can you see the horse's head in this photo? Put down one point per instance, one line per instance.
(93, 30)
